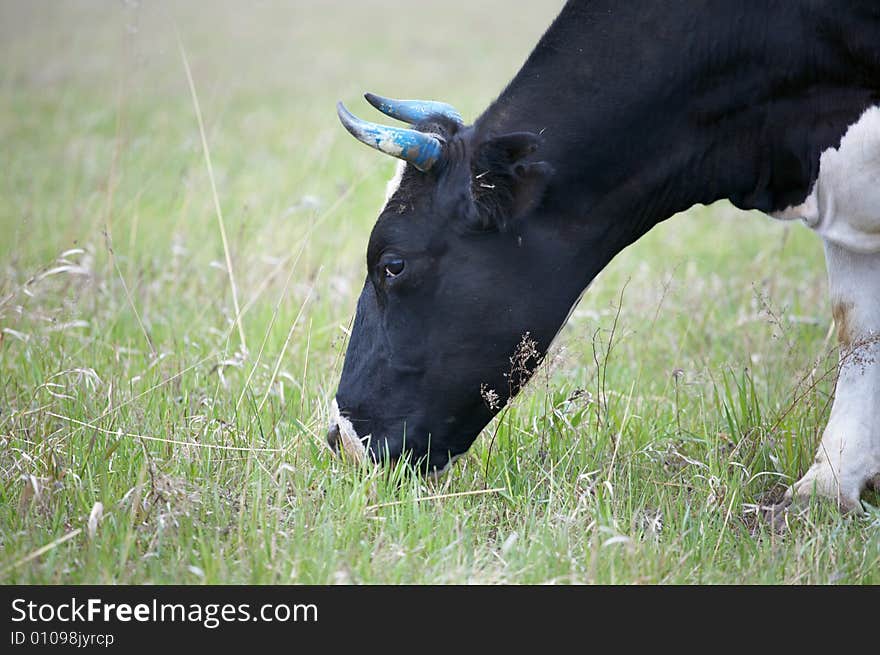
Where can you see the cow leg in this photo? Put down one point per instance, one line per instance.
(844, 209)
(848, 458)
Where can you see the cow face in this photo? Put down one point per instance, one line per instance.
(462, 296)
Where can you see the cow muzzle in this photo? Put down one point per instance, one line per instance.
(342, 437)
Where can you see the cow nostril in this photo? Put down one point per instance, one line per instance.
(333, 436)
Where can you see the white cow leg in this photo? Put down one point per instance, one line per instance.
(848, 458)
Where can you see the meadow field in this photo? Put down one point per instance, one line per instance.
(183, 226)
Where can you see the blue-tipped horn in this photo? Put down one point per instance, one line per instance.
(413, 111)
(419, 149)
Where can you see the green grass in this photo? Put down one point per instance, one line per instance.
(711, 334)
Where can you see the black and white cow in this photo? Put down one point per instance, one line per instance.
(624, 114)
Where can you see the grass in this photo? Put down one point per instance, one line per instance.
(690, 386)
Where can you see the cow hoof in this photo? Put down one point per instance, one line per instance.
(798, 497)
(821, 482)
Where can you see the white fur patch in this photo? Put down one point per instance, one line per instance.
(394, 183)
(352, 444)
(844, 209)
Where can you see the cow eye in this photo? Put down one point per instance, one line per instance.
(393, 267)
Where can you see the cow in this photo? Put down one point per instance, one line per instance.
(623, 115)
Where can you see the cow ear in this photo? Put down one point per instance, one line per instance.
(530, 183)
(506, 187)
(506, 150)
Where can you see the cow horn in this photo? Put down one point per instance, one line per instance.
(413, 111)
(418, 148)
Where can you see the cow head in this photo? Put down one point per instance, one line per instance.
(468, 280)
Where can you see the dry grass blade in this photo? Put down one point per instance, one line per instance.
(475, 492)
(219, 211)
(287, 343)
(178, 442)
(128, 296)
(95, 517)
(42, 550)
